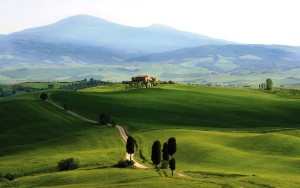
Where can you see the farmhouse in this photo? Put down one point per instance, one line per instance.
(141, 78)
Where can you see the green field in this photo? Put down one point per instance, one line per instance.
(184, 106)
(105, 88)
(226, 137)
(36, 135)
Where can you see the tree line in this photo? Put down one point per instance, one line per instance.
(266, 86)
(82, 84)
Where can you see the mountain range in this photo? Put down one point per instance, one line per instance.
(84, 46)
(94, 31)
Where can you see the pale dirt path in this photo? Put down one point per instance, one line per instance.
(124, 136)
(74, 114)
(121, 130)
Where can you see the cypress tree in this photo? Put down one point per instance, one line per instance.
(165, 156)
(172, 146)
(130, 145)
(165, 153)
(172, 164)
(156, 153)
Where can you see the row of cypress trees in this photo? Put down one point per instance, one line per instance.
(164, 155)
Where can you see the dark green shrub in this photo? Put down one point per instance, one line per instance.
(104, 118)
(9, 176)
(44, 96)
(67, 164)
(125, 164)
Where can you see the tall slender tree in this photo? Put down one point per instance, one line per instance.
(172, 146)
(172, 164)
(130, 145)
(165, 153)
(156, 153)
(165, 156)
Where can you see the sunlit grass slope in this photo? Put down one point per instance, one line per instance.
(265, 155)
(106, 88)
(35, 135)
(112, 177)
(184, 106)
(229, 151)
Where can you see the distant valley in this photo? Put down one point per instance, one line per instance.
(81, 47)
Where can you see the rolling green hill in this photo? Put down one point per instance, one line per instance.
(36, 135)
(186, 106)
(213, 128)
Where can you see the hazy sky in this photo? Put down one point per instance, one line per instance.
(246, 21)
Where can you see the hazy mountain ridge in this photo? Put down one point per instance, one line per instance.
(94, 31)
(85, 46)
(269, 54)
(15, 51)
(228, 64)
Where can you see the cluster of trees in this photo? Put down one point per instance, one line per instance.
(167, 82)
(68, 164)
(16, 88)
(164, 155)
(141, 84)
(266, 86)
(145, 84)
(82, 84)
(4, 93)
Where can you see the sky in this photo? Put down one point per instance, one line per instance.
(244, 21)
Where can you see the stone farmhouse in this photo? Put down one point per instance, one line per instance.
(142, 78)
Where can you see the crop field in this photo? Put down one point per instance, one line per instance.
(225, 137)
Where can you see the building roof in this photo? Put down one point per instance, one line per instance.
(142, 76)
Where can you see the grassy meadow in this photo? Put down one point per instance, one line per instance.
(36, 135)
(225, 137)
(186, 106)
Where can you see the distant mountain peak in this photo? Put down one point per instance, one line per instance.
(83, 20)
(160, 26)
(93, 31)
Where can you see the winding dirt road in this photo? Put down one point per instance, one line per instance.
(121, 130)
(124, 136)
(74, 114)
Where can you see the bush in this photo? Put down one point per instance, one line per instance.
(104, 118)
(44, 96)
(125, 164)
(9, 176)
(67, 164)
